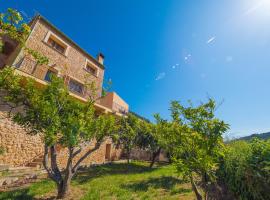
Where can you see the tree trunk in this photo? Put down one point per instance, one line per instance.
(128, 155)
(205, 187)
(63, 189)
(63, 183)
(195, 189)
(154, 156)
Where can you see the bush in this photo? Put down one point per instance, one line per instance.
(246, 169)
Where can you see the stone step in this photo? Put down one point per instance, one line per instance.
(23, 170)
(37, 165)
(23, 174)
(4, 167)
(40, 160)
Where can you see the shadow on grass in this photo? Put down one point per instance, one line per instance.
(30, 191)
(16, 195)
(164, 182)
(110, 169)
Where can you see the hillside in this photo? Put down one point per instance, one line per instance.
(263, 136)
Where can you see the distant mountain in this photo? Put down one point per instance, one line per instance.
(263, 136)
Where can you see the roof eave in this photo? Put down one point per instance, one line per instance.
(40, 17)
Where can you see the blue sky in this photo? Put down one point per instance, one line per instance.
(157, 51)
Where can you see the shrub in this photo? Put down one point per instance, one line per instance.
(246, 169)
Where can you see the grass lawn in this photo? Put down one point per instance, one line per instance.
(115, 181)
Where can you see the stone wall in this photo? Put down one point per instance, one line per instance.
(20, 148)
(98, 157)
(72, 65)
(139, 154)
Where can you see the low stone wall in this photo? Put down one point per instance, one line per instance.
(20, 148)
(139, 154)
(97, 157)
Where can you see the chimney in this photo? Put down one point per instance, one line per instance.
(100, 58)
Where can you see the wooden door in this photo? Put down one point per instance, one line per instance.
(108, 152)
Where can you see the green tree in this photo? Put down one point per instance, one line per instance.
(127, 132)
(12, 26)
(146, 140)
(60, 119)
(194, 138)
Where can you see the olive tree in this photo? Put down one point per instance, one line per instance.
(60, 119)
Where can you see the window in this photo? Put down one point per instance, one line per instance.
(57, 43)
(58, 47)
(75, 86)
(91, 69)
(49, 75)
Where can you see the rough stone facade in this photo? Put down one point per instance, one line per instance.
(20, 148)
(98, 157)
(71, 64)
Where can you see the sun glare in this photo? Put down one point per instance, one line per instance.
(259, 8)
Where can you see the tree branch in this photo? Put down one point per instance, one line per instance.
(68, 172)
(45, 162)
(76, 152)
(90, 151)
(54, 166)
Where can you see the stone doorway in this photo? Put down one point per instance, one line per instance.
(108, 152)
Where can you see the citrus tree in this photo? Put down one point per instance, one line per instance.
(13, 26)
(146, 140)
(60, 119)
(50, 112)
(128, 127)
(194, 138)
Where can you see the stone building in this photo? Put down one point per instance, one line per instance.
(78, 68)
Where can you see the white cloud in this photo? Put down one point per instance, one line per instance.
(212, 39)
(160, 76)
(173, 67)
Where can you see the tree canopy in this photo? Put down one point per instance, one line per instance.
(194, 138)
(59, 118)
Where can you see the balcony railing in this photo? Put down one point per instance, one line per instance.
(118, 108)
(26, 65)
(31, 67)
